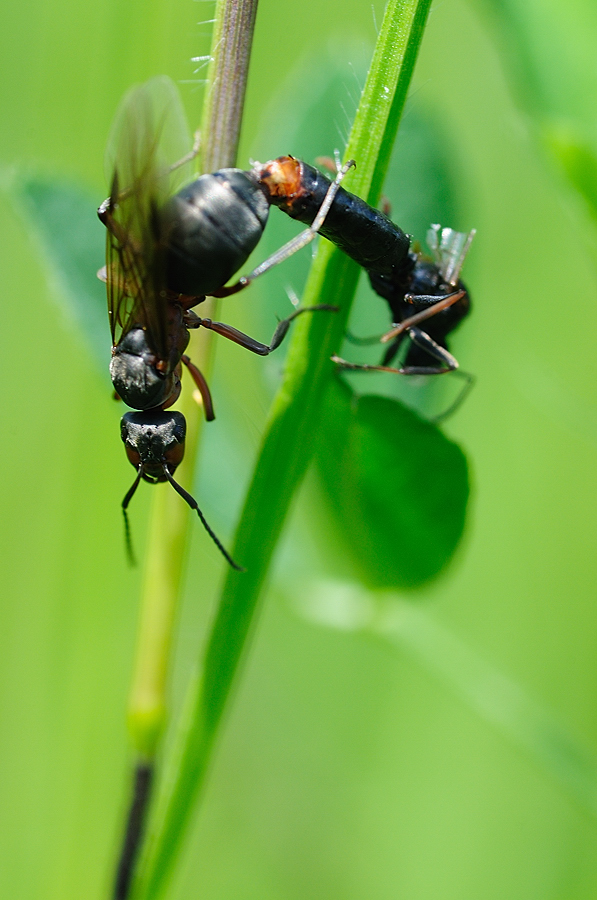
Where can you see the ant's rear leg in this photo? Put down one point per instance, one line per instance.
(297, 243)
(421, 339)
(202, 387)
(436, 305)
(117, 196)
(450, 363)
(249, 343)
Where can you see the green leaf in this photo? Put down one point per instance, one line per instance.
(549, 50)
(579, 161)
(420, 184)
(398, 487)
(72, 240)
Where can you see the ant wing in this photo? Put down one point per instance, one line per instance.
(148, 137)
(449, 249)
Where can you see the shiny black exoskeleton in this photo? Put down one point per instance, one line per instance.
(166, 251)
(424, 280)
(361, 231)
(154, 442)
(427, 289)
(210, 228)
(190, 247)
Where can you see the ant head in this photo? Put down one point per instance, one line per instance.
(154, 443)
(152, 439)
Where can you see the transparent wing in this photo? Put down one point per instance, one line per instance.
(148, 137)
(449, 249)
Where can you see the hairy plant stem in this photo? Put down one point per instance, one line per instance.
(226, 83)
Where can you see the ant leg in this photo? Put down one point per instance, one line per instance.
(202, 387)
(393, 349)
(297, 243)
(406, 370)
(249, 343)
(117, 196)
(361, 341)
(450, 363)
(436, 304)
(469, 382)
(188, 157)
(421, 339)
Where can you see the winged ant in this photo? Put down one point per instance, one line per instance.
(417, 289)
(166, 251)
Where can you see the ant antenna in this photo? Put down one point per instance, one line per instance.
(127, 528)
(193, 504)
(185, 496)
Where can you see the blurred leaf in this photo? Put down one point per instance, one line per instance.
(397, 485)
(490, 692)
(549, 49)
(72, 240)
(420, 180)
(499, 699)
(579, 161)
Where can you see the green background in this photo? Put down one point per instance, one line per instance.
(431, 744)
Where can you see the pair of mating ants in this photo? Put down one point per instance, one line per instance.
(168, 250)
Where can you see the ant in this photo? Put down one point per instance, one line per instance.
(165, 253)
(417, 289)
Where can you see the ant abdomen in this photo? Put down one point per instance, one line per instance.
(210, 228)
